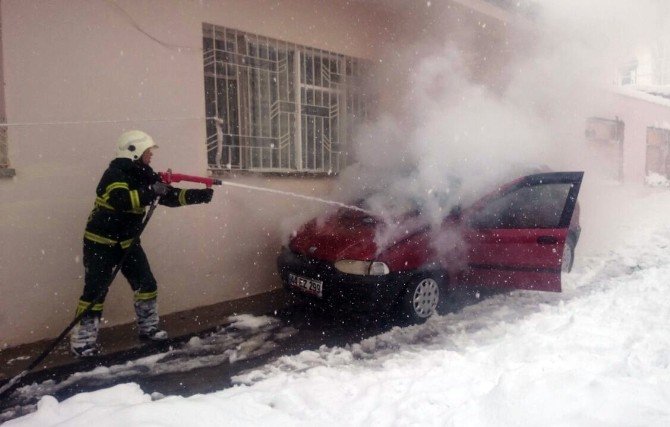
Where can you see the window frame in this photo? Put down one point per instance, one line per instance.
(5, 170)
(574, 179)
(284, 108)
(608, 144)
(504, 204)
(658, 141)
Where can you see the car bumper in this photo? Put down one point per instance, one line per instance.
(341, 290)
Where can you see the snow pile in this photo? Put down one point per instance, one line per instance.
(656, 180)
(596, 354)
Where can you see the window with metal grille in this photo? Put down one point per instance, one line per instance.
(605, 139)
(5, 169)
(274, 106)
(658, 152)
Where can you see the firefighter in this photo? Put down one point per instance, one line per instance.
(126, 188)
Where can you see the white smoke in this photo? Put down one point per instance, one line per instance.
(461, 113)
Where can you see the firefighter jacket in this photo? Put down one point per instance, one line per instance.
(123, 194)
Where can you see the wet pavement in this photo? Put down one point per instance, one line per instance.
(298, 329)
(191, 365)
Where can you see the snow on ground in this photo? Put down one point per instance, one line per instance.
(243, 337)
(596, 354)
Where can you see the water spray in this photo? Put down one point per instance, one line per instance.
(297, 196)
(169, 177)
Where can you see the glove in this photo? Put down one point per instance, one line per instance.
(200, 196)
(161, 189)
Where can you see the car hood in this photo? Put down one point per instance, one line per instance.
(352, 235)
(341, 236)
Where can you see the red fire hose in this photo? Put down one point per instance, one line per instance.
(169, 177)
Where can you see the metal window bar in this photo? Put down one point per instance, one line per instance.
(274, 106)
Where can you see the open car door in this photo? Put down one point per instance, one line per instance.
(516, 236)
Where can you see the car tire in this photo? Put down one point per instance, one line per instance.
(421, 298)
(568, 254)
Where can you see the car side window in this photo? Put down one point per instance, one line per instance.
(537, 206)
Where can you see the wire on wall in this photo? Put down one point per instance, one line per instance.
(137, 26)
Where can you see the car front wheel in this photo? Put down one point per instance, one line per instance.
(420, 299)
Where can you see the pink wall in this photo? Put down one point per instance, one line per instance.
(638, 112)
(84, 65)
(79, 72)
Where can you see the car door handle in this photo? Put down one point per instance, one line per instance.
(547, 240)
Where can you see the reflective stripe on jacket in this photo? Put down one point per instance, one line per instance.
(122, 195)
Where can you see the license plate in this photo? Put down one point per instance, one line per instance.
(310, 286)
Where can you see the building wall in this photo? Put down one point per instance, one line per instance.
(638, 112)
(79, 72)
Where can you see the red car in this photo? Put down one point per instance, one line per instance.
(520, 236)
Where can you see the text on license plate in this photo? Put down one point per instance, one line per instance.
(310, 286)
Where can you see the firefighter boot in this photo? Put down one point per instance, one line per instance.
(147, 321)
(84, 336)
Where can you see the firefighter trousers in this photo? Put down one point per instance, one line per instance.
(99, 263)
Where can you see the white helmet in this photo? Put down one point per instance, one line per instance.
(133, 144)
